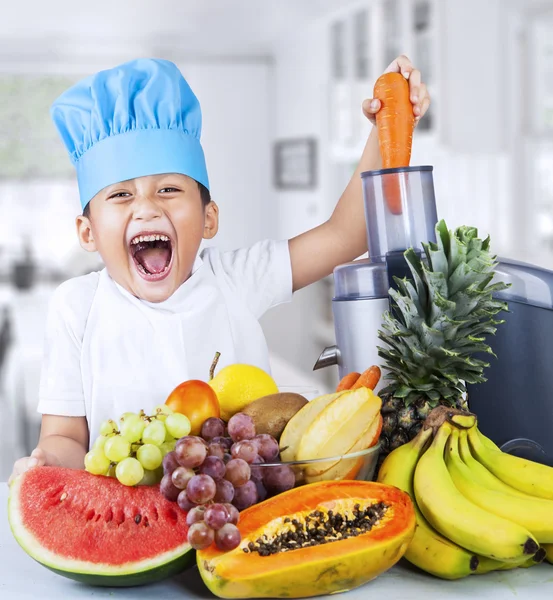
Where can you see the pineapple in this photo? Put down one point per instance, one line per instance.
(438, 323)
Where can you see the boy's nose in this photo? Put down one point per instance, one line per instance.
(146, 208)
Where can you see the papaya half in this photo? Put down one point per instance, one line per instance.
(321, 538)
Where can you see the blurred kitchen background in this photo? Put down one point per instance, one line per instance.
(281, 85)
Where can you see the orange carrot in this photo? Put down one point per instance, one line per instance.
(369, 378)
(347, 381)
(395, 122)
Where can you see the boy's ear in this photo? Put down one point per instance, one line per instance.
(211, 225)
(84, 232)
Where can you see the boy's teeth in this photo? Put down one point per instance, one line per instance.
(149, 238)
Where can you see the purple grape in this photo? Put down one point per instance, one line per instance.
(181, 476)
(279, 479)
(170, 462)
(241, 427)
(267, 447)
(217, 449)
(195, 515)
(225, 441)
(167, 488)
(216, 515)
(234, 514)
(212, 427)
(227, 457)
(224, 492)
(201, 489)
(184, 503)
(261, 491)
(190, 452)
(256, 470)
(214, 467)
(200, 536)
(245, 450)
(201, 439)
(245, 495)
(238, 472)
(228, 537)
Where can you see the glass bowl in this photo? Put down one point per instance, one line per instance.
(359, 465)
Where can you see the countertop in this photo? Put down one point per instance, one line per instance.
(23, 578)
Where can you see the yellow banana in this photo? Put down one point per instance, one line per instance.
(481, 475)
(548, 552)
(524, 475)
(428, 550)
(461, 520)
(534, 514)
(486, 565)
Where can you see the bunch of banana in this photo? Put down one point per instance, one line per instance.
(478, 509)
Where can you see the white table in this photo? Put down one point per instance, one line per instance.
(23, 578)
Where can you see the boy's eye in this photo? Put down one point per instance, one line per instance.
(168, 190)
(120, 195)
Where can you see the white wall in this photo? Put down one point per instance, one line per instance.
(236, 107)
(300, 90)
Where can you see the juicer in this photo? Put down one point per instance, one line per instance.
(515, 405)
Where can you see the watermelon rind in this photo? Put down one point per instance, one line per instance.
(143, 572)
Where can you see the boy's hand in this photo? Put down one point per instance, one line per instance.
(38, 458)
(419, 94)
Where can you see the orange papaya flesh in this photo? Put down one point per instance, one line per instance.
(343, 562)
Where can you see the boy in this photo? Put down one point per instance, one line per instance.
(122, 339)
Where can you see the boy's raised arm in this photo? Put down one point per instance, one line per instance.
(315, 253)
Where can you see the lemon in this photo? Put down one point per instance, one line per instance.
(238, 385)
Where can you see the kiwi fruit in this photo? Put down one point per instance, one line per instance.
(272, 413)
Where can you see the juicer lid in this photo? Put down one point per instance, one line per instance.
(529, 284)
(360, 280)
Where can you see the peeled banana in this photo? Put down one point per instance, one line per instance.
(428, 549)
(458, 518)
(534, 514)
(524, 475)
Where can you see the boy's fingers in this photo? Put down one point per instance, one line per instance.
(415, 86)
(371, 106)
(400, 65)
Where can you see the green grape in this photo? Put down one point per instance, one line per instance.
(95, 462)
(162, 411)
(149, 478)
(168, 446)
(150, 456)
(132, 428)
(126, 415)
(178, 425)
(117, 448)
(99, 442)
(154, 433)
(129, 471)
(108, 427)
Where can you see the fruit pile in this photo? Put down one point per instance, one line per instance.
(478, 509)
(214, 476)
(133, 448)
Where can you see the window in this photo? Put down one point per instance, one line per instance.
(30, 147)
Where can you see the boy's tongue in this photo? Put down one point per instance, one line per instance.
(154, 260)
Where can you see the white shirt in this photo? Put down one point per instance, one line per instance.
(108, 352)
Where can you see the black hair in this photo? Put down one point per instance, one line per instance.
(205, 195)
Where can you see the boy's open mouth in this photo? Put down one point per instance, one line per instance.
(152, 255)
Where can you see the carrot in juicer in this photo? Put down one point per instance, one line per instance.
(395, 122)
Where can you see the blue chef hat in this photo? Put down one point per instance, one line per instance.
(140, 118)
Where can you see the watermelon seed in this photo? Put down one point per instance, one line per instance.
(63, 496)
(90, 514)
(137, 519)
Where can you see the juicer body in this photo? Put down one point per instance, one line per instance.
(515, 405)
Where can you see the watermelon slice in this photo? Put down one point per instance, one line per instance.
(95, 530)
